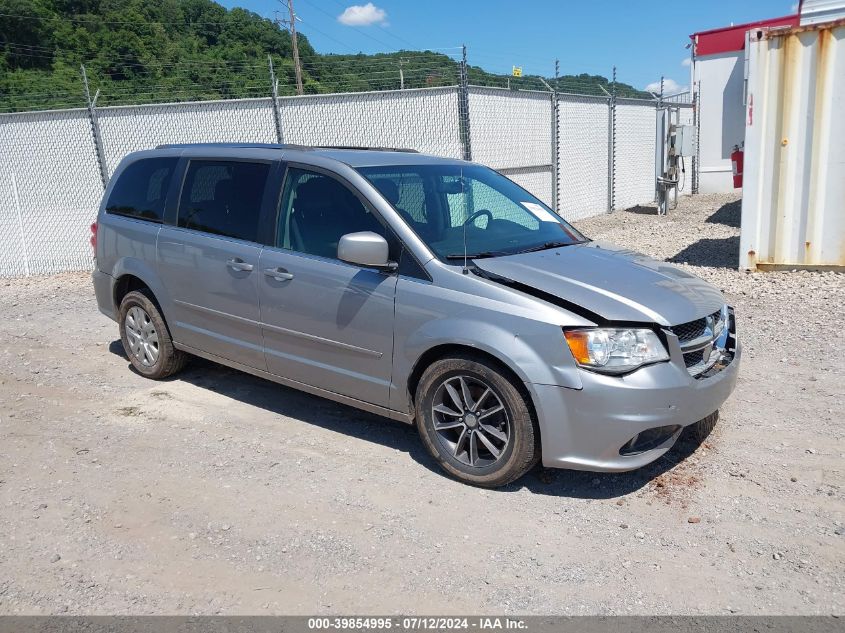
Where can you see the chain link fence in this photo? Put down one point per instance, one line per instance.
(50, 188)
(634, 147)
(583, 155)
(128, 129)
(512, 132)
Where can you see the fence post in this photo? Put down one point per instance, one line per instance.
(611, 147)
(20, 222)
(555, 141)
(95, 129)
(274, 89)
(696, 113)
(463, 107)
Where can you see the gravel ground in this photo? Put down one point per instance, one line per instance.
(217, 492)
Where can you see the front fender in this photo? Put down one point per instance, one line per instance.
(535, 352)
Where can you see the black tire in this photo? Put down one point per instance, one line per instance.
(702, 429)
(516, 456)
(168, 360)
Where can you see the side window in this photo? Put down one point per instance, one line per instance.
(316, 210)
(223, 197)
(141, 189)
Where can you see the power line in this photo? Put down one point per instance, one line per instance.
(401, 39)
(323, 11)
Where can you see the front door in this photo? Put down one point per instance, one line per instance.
(326, 323)
(209, 262)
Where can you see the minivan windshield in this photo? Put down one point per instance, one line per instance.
(458, 209)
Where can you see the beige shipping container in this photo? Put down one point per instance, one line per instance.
(793, 206)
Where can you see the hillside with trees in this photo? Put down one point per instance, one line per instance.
(136, 51)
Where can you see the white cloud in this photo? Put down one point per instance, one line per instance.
(686, 61)
(363, 15)
(670, 87)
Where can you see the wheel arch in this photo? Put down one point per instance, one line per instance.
(134, 274)
(451, 350)
(125, 284)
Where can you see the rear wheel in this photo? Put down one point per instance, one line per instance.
(476, 422)
(145, 338)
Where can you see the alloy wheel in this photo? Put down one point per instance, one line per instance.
(470, 421)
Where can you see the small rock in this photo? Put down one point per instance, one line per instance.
(694, 520)
(811, 451)
(840, 530)
(793, 479)
(777, 555)
(55, 558)
(640, 535)
(619, 502)
(624, 526)
(192, 535)
(225, 527)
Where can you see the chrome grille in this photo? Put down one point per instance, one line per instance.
(702, 342)
(693, 329)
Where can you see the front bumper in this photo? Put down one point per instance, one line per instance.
(584, 429)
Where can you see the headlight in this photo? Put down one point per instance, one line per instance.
(615, 351)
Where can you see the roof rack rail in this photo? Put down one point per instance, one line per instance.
(366, 148)
(287, 146)
(256, 145)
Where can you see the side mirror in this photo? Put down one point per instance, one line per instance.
(365, 249)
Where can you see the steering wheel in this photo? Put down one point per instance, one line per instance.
(478, 214)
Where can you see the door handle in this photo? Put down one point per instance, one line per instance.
(279, 274)
(239, 264)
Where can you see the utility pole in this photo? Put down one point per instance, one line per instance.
(291, 26)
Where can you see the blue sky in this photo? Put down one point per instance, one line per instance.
(644, 39)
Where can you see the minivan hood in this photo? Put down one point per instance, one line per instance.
(616, 284)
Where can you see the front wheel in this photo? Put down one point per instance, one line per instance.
(476, 422)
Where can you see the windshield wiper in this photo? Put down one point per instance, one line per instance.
(545, 246)
(480, 255)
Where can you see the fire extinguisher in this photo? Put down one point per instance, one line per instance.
(736, 165)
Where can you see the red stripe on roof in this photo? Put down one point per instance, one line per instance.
(732, 38)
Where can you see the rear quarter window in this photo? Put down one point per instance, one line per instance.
(223, 197)
(141, 189)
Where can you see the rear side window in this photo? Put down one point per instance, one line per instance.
(141, 189)
(223, 198)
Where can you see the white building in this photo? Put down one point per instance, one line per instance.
(718, 77)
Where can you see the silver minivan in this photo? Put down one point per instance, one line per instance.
(429, 290)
